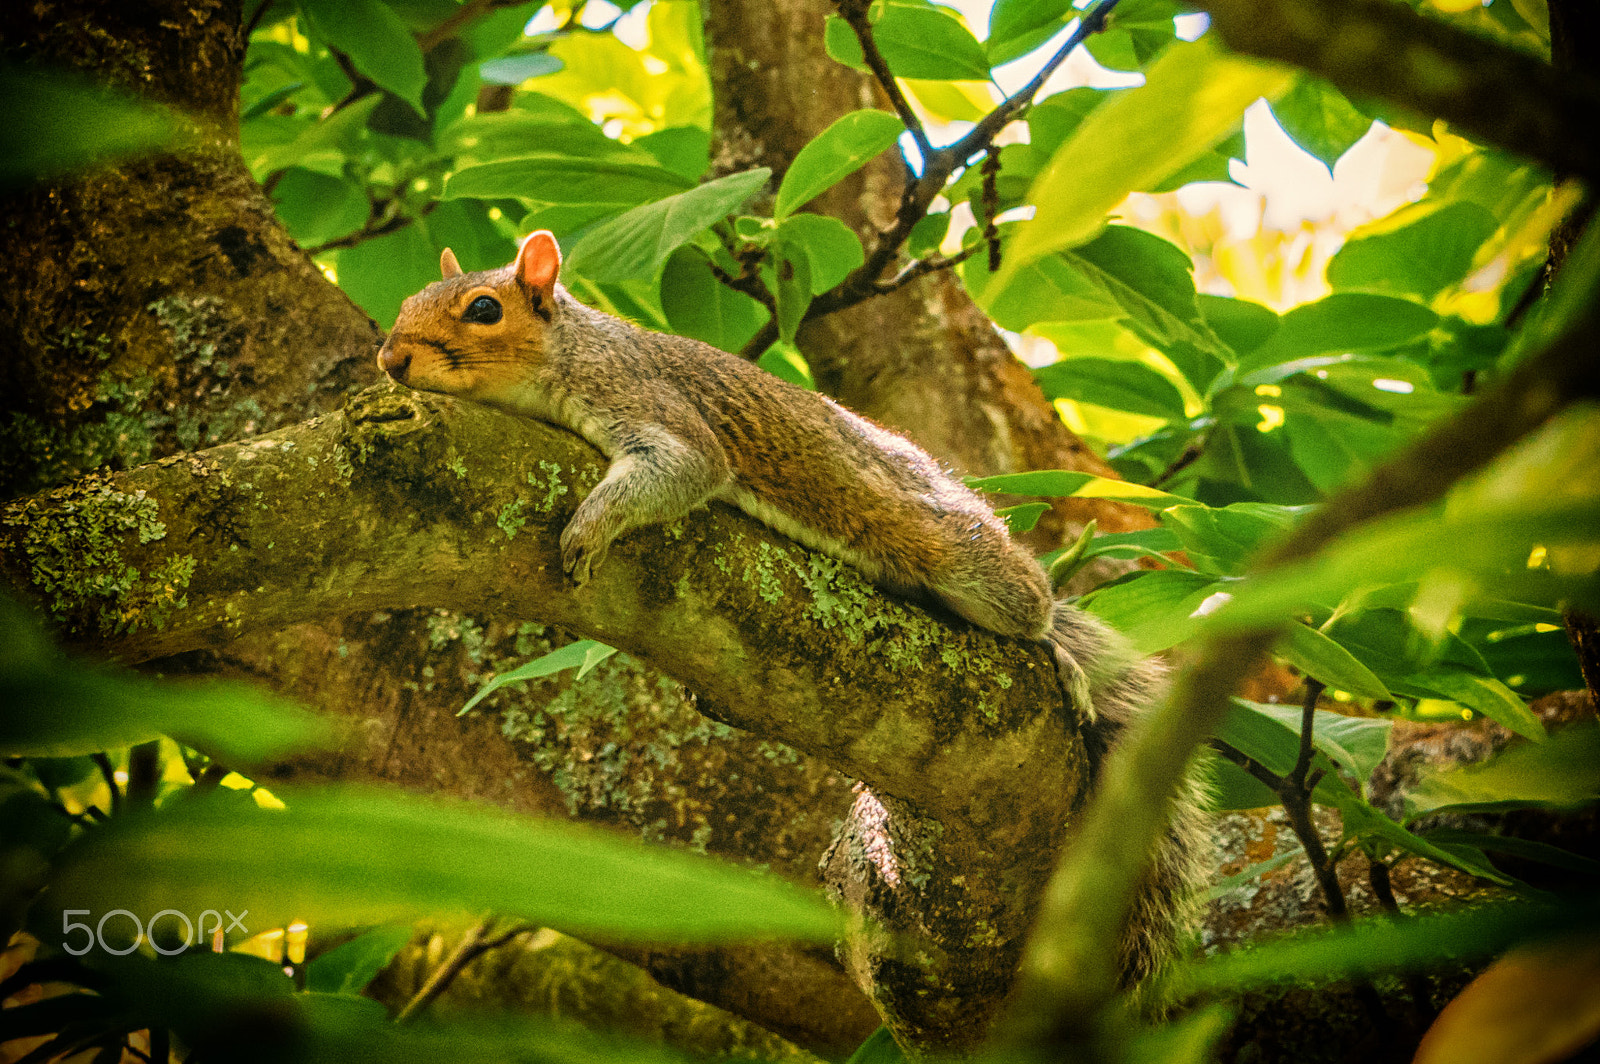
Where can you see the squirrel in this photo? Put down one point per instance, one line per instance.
(684, 423)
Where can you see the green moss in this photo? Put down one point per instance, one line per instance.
(75, 557)
(551, 485)
(511, 518)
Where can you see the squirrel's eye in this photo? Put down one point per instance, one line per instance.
(485, 310)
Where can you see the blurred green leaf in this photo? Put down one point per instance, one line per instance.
(1482, 694)
(551, 178)
(318, 208)
(515, 69)
(1335, 325)
(1154, 609)
(1192, 97)
(1242, 325)
(349, 967)
(637, 244)
(1417, 251)
(59, 123)
(1320, 119)
(1482, 543)
(834, 154)
(1113, 383)
(1022, 517)
(1563, 772)
(58, 708)
(381, 272)
(353, 856)
(377, 42)
(1319, 657)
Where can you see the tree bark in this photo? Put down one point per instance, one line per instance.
(407, 498)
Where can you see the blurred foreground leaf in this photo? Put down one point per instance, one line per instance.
(60, 123)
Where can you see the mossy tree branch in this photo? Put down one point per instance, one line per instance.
(406, 499)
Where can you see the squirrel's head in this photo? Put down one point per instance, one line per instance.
(476, 334)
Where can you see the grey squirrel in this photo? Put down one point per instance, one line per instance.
(684, 423)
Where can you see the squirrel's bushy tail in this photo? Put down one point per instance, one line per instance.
(1119, 684)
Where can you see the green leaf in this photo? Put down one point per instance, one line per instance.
(380, 273)
(515, 69)
(325, 146)
(317, 208)
(1377, 945)
(917, 40)
(57, 123)
(1321, 658)
(637, 243)
(1192, 98)
(1563, 772)
(1487, 542)
(1338, 324)
(1242, 325)
(833, 247)
(1228, 537)
(493, 136)
(879, 1048)
(1023, 516)
(582, 655)
(351, 856)
(1017, 27)
(348, 968)
(1155, 610)
(697, 304)
(1222, 888)
(1320, 119)
(1358, 744)
(1114, 383)
(57, 708)
(614, 184)
(1056, 483)
(377, 42)
(1418, 251)
(834, 154)
(790, 283)
(1231, 788)
(1482, 694)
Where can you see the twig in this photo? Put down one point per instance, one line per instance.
(1191, 453)
(939, 163)
(109, 774)
(144, 774)
(854, 12)
(473, 945)
(369, 231)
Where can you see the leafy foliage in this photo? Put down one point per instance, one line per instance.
(387, 131)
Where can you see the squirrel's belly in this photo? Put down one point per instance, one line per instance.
(806, 536)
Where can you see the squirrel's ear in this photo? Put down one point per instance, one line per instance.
(538, 263)
(448, 264)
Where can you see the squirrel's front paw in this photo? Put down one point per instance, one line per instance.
(580, 556)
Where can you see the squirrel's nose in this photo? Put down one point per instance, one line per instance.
(392, 362)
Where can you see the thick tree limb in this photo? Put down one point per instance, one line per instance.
(1384, 50)
(407, 499)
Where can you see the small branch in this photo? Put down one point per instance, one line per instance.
(922, 267)
(394, 223)
(109, 774)
(1308, 719)
(764, 338)
(1191, 454)
(854, 12)
(473, 945)
(468, 12)
(939, 164)
(144, 774)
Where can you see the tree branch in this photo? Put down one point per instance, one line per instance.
(408, 499)
(1388, 51)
